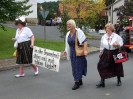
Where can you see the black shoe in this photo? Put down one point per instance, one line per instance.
(76, 86)
(80, 82)
(118, 81)
(101, 84)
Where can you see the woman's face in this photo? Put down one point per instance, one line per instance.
(108, 30)
(20, 25)
(69, 26)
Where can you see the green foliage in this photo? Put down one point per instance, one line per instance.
(125, 10)
(108, 2)
(99, 20)
(125, 21)
(62, 26)
(52, 7)
(84, 11)
(10, 10)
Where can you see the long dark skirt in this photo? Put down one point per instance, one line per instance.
(107, 68)
(24, 55)
(79, 66)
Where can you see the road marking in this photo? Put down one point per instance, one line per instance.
(107, 94)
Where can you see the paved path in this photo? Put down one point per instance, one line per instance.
(52, 85)
(57, 85)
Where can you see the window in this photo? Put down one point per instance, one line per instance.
(118, 13)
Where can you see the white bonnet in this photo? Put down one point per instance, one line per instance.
(21, 18)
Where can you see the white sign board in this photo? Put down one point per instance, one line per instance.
(46, 58)
(102, 32)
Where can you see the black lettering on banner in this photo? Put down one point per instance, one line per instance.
(44, 51)
(51, 54)
(40, 51)
(44, 58)
(37, 62)
(35, 50)
(51, 61)
(50, 64)
(36, 56)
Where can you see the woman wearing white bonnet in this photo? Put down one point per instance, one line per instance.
(25, 39)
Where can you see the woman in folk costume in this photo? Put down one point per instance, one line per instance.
(107, 68)
(25, 40)
(78, 63)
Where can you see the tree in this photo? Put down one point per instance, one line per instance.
(84, 11)
(62, 26)
(125, 10)
(52, 8)
(109, 2)
(11, 9)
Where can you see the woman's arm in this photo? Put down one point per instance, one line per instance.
(101, 48)
(32, 41)
(85, 48)
(118, 43)
(101, 45)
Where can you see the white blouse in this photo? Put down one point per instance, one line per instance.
(106, 41)
(23, 35)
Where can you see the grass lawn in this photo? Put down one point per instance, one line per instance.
(7, 49)
(7, 45)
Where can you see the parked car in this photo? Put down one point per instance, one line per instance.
(45, 22)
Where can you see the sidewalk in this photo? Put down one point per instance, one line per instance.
(6, 64)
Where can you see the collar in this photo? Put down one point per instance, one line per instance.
(112, 35)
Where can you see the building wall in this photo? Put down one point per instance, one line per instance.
(32, 17)
(109, 11)
(116, 5)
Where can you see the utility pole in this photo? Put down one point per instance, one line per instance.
(44, 21)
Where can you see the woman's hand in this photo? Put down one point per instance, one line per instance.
(31, 46)
(85, 52)
(64, 53)
(115, 45)
(100, 54)
(14, 39)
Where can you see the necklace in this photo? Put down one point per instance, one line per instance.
(20, 30)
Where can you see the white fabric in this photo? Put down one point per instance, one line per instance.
(15, 44)
(114, 38)
(25, 34)
(21, 18)
(81, 38)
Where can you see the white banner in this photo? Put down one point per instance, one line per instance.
(46, 58)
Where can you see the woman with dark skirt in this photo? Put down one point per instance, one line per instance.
(78, 63)
(25, 40)
(107, 68)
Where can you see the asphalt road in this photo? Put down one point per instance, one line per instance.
(52, 33)
(52, 85)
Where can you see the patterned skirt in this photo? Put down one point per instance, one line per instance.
(24, 55)
(107, 68)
